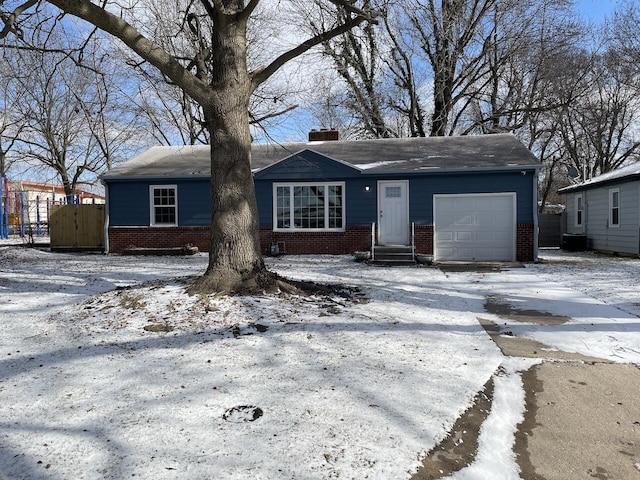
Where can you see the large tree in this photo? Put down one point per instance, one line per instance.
(72, 124)
(215, 73)
(11, 125)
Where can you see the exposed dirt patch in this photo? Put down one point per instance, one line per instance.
(158, 327)
(460, 447)
(496, 305)
(491, 267)
(514, 346)
(532, 387)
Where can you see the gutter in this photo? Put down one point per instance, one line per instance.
(363, 172)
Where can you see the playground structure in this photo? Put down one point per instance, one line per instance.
(25, 207)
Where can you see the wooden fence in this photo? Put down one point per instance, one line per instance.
(552, 226)
(77, 227)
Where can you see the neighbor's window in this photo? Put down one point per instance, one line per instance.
(309, 206)
(579, 210)
(164, 204)
(614, 207)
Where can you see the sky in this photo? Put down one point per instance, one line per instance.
(596, 10)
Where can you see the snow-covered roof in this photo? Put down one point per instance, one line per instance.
(394, 155)
(624, 173)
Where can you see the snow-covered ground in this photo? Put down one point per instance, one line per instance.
(109, 370)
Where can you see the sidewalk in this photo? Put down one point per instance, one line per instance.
(581, 418)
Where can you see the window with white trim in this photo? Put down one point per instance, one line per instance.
(164, 205)
(309, 206)
(614, 207)
(579, 210)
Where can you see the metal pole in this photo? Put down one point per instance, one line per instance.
(38, 215)
(2, 203)
(22, 214)
(4, 214)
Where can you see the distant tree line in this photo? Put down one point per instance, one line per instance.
(569, 90)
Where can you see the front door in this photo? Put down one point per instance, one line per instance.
(393, 212)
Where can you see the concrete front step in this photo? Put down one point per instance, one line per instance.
(394, 254)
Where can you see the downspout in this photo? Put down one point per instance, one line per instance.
(535, 215)
(106, 216)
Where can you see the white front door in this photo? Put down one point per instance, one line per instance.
(393, 212)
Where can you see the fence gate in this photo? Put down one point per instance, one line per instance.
(552, 226)
(77, 227)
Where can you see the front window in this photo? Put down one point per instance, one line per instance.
(614, 207)
(307, 206)
(164, 204)
(579, 210)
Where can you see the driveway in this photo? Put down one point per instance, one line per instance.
(582, 411)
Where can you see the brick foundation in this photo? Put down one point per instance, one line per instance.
(121, 238)
(334, 243)
(524, 242)
(355, 238)
(424, 239)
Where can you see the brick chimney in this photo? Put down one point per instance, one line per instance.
(324, 135)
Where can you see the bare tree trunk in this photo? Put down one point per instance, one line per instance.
(235, 255)
(235, 260)
(216, 77)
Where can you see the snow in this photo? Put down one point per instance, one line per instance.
(357, 387)
(629, 170)
(495, 458)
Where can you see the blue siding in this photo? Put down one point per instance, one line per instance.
(361, 205)
(421, 191)
(129, 203)
(307, 166)
(264, 197)
(129, 200)
(194, 203)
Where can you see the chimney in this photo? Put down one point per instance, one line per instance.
(324, 135)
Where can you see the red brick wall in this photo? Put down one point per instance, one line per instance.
(335, 243)
(295, 243)
(524, 242)
(121, 238)
(424, 239)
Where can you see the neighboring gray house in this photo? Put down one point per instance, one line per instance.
(606, 209)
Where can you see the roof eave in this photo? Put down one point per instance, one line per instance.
(603, 183)
(128, 178)
(505, 168)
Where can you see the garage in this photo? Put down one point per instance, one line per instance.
(475, 227)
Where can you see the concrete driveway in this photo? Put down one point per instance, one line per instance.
(582, 411)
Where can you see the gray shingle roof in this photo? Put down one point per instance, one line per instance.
(373, 156)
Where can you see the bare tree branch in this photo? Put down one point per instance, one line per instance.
(11, 19)
(261, 75)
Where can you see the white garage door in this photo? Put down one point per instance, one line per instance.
(475, 228)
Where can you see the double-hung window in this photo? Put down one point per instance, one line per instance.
(309, 206)
(164, 205)
(579, 210)
(614, 207)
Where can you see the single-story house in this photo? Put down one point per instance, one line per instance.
(467, 198)
(606, 210)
